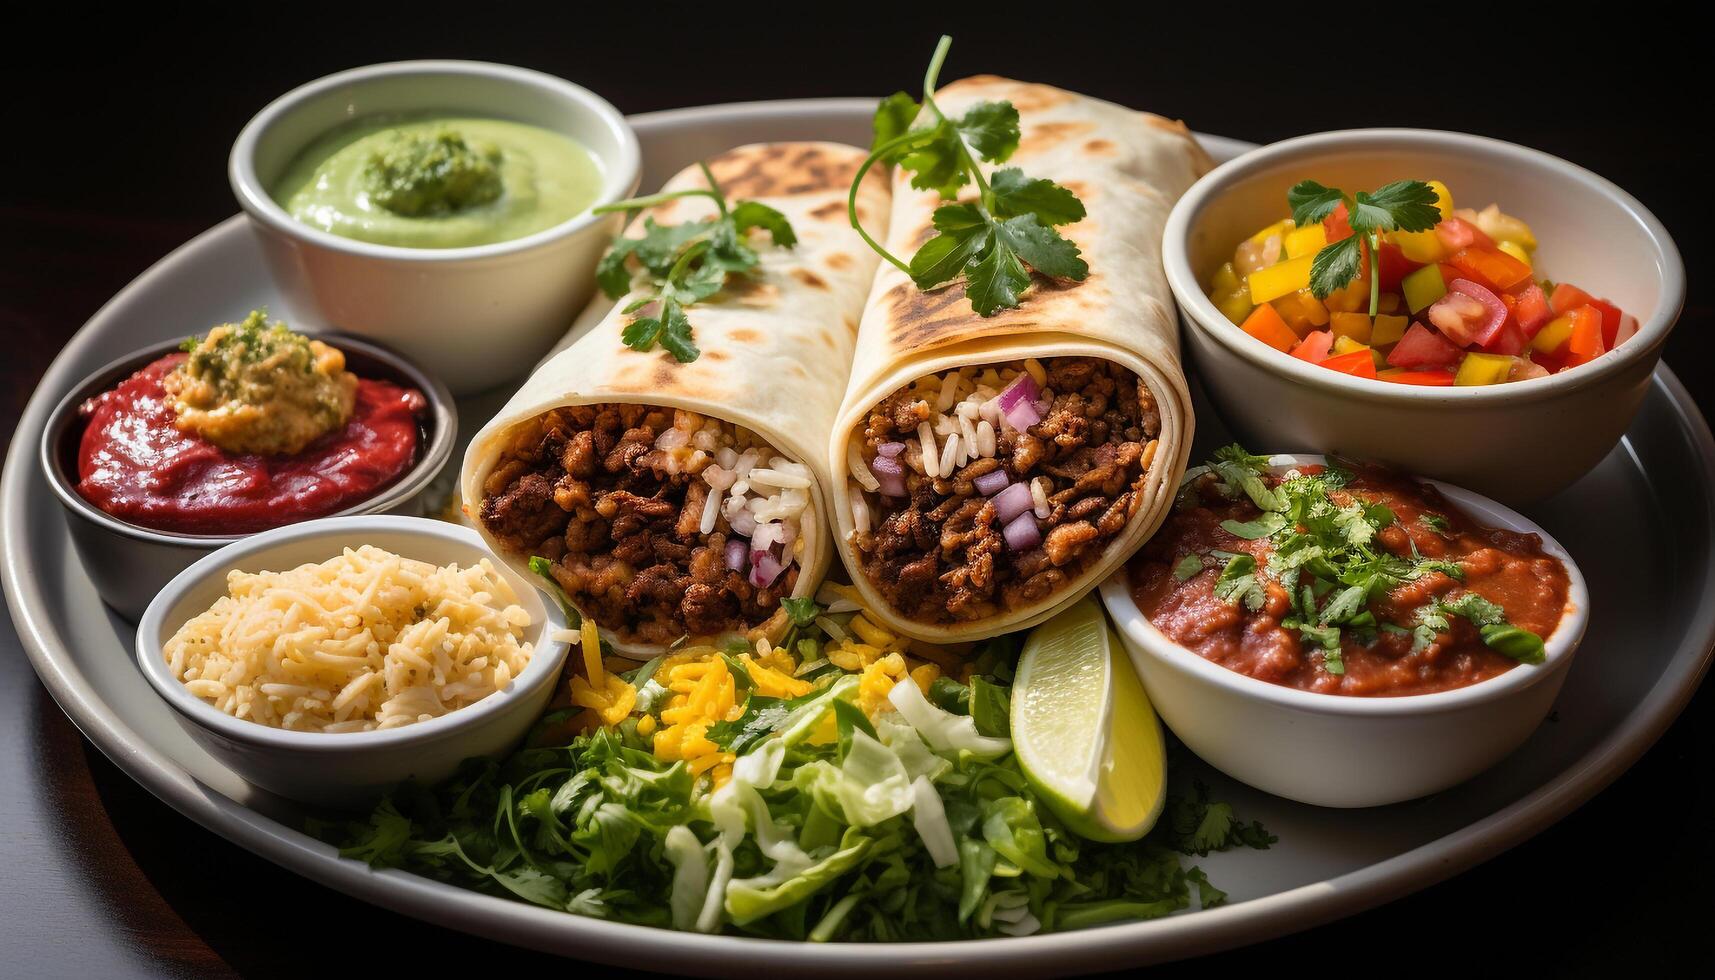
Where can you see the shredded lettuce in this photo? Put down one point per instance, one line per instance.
(912, 824)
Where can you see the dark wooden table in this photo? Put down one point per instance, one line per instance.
(97, 878)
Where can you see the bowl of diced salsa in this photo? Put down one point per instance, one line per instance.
(1444, 303)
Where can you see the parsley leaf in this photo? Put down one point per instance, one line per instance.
(1311, 202)
(1188, 567)
(994, 242)
(683, 264)
(802, 610)
(1404, 205)
(1238, 581)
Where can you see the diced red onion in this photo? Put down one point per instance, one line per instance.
(890, 449)
(1011, 502)
(990, 484)
(890, 473)
(735, 550)
(1022, 389)
(1022, 415)
(764, 569)
(743, 522)
(1022, 534)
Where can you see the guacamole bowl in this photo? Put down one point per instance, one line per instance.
(473, 315)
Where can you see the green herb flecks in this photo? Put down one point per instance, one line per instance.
(1404, 205)
(1324, 555)
(683, 264)
(994, 241)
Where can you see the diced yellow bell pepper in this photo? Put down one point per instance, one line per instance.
(1422, 247)
(1553, 335)
(1443, 198)
(1236, 303)
(1515, 250)
(1280, 227)
(1423, 287)
(1388, 329)
(1350, 326)
(1305, 241)
(1350, 298)
(1483, 369)
(1225, 280)
(1301, 311)
(1279, 279)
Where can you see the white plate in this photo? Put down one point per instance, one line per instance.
(1640, 525)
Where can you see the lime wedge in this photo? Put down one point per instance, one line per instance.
(1083, 728)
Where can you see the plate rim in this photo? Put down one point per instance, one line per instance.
(492, 917)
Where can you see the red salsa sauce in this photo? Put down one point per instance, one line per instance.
(1504, 567)
(134, 463)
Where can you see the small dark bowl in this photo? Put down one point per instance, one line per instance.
(129, 563)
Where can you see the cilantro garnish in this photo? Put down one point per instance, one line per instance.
(684, 263)
(1188, 567)
(1323, 553)
(994, 241)
(1404, 205)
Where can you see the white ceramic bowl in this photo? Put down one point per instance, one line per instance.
(474, 316)
(1516, 442)
(351, 769)
(1342, 751)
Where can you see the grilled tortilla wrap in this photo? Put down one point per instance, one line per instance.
(1111, 339)
(606, 459)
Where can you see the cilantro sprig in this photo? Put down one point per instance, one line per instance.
(683, 264)
(1404, 205)
(1324, 555)
(994, 241)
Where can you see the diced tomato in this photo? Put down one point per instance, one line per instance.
(1358, 363)
(1586, 343)
(1422, 347)
(1469, 313)
(1610, 322)
(1531, 310)
(1457, 233)
(1490, 266)
(1432, 379)
(1450, 272)
(1567, 297)
(1508, 340)
(1335, 226)
(1394, 267)
(1315, 346)
(1266, 325)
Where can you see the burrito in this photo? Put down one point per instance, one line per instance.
(995, 469)
(673, 499)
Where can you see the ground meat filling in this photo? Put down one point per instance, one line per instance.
(940, 530)
(617, 497)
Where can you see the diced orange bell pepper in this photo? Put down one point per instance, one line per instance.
(1585, 344)
(1490, 265)
(1353, 325)
(1387, 330)
(1358, 363)
(1301, 311)
(1265, 324)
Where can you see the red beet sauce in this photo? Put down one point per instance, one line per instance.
(136, 465)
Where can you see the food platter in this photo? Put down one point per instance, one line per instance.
(1648, 647)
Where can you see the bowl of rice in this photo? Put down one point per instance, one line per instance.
(330, 660)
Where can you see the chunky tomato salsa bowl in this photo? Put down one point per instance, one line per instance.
(1503, 207)
(143, 501)
(1379, 728)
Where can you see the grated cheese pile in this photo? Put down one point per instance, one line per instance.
(367, 640)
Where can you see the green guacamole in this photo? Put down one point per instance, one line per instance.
(439, 182)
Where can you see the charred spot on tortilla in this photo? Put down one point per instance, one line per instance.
(1047, 135)
(1100, 147)
(743, 335)
(831, 211)
(809, 278)
(839, 261)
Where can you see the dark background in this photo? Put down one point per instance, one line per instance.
(115, 153)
